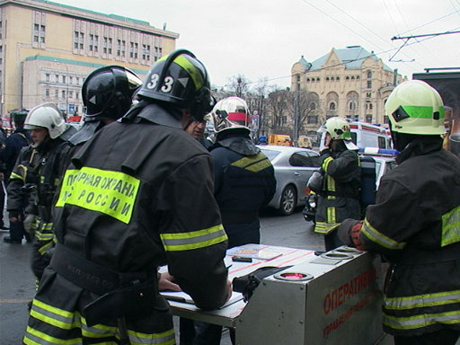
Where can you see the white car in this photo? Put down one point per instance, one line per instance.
(293, 167)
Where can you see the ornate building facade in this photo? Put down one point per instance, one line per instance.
(351, 83)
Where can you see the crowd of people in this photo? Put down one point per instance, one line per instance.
(139, 186)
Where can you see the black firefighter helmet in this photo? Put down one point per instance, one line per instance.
(181, 80)
(108, 91)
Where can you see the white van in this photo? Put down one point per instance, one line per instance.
(365, 134)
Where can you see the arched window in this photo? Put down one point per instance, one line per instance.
(369, 74)
(352, 106)
(332, 106)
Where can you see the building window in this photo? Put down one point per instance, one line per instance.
(70, 94)
(312, 120)
(96, 43)
(369, 118)
(78, 40)
(63, 93)
(352, 106)
(369, 84)
(39, 33)
(47, 92)
(121, 48)
(146, 52)
(158, 53)
(133, 50)
(369, 74)
(56, 78)
(107, 45)
(70, 80)
(63, 79)
(90, 42)
(56, 93)
(332, 106)
(47, 78)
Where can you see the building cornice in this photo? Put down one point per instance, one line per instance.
(82, 14)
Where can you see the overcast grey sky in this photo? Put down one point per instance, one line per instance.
(264, 38)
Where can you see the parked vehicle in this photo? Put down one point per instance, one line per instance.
(383, 160)
(364, 135)
(293, 167)
(280, 140)
(305, 142)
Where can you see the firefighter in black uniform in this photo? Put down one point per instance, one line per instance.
(138, 194)
(339, 194)
(14, 143)
(415, 223)
(36, 176)
(244, 178)
(244, 182)
(8, 157)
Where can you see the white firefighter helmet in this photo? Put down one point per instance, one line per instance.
(414, 107)
(48, 116)
(229, 113)
(339, 129)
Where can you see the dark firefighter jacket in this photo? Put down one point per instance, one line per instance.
(244, 182)
(415, 223)
(339, 197)
(139, 194)
(13, 145)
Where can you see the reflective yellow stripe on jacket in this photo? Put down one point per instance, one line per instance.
(254, 163)
(419, 321)
(67, 321)
(451, 227)
(420, 306)
(375, 236)
(193, 240)
(326, 163)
